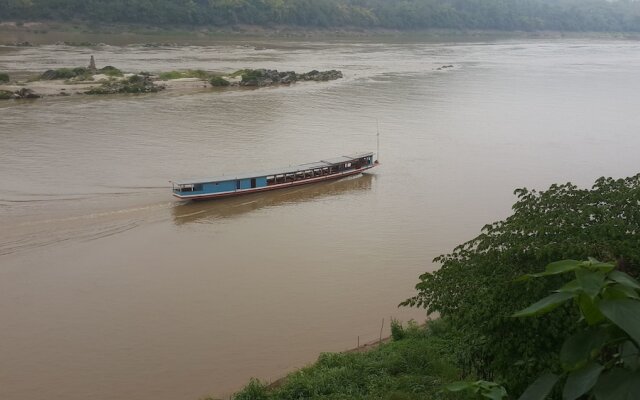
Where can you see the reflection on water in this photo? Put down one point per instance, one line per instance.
(208, 211)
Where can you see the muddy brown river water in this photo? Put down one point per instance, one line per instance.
(111, 289)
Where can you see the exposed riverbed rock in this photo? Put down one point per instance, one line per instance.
(21, 44)
(269, 77)
(23, 93)
(321, 76)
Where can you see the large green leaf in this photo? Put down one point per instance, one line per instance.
(589, 309)
(618, 384)
(591, 282)
(618, 291)
(495, 393)
(625, 313)
(594, 264)
(545, 305)
(624, 279)
(580, 348)
(581, 381)
(571, 287)
(458, 386)
(630, 355)
(555, 268)
(541, 388)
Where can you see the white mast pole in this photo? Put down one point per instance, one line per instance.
(378, 140)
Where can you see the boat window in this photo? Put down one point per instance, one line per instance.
(197, 187)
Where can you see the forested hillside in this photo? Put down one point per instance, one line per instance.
(528, 15)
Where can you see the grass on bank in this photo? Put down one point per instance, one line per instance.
(415, 365)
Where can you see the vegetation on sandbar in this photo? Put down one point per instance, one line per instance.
(4, 78)
(197, 73)
(132, 84)
(268, 77)
(111, 80)
(218, 81)
(79, 73)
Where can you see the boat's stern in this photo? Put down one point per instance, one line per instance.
(182, 190)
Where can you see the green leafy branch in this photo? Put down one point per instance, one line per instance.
(600, 361)
(488, 390)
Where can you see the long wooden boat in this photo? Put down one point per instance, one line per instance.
(225, 186)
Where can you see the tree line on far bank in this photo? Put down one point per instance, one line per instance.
(506, 15)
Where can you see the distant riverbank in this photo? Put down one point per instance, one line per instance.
(82, 33)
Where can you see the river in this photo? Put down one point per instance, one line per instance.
(112, 289)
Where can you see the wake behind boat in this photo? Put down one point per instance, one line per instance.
(225, 186)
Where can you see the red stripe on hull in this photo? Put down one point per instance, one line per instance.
(274, 187)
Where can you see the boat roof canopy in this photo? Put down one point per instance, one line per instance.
(276, 171)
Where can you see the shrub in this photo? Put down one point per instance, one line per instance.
(397, 331)
(135, 79)
(111, 71)
(6, 95)
(255, 390)
(82, 73)
(165, 76)
(198, 73)
(219, 81)
(66, 73)
(4, 78)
